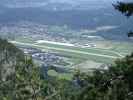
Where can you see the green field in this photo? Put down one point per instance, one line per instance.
(74, 52)
(66, 76)
(123, 47)
(92, 50)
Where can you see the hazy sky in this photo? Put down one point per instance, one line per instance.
(71, 1)
(86, 0)
(37, 3)
(64, 1)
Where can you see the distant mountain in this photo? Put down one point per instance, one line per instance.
(58, 4)
(77, 14)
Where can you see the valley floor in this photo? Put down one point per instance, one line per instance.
(75, 57)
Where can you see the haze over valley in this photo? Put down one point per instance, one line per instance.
(70, 14)
(67, 34)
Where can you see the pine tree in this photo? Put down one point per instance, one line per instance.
(126, 9)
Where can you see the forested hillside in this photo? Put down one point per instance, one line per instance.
(17, 74)
(20, 79)
(9, 57)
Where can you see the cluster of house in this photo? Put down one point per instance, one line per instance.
(45, 57)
